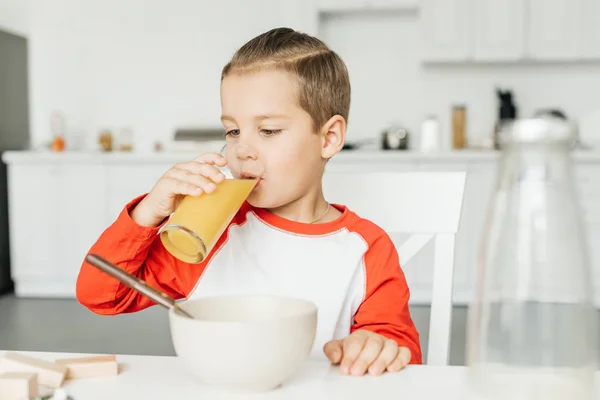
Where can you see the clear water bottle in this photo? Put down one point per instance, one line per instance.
(532, 325)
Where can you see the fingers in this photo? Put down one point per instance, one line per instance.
(192, 189)
(193, 178)
(352, 347)
(365, 351)
(401, 361)
(211, 158)
(333, 350)
(370, 352)
(196, 168)
(388, 354)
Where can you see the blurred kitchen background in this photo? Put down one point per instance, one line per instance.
(153, 67)
(431, 81)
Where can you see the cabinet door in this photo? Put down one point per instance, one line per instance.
(34, 218)
(363, 5)
(125, 182)
(554, 29)
(499, 30)
(590, 30)
(82, 215)
(446, 30)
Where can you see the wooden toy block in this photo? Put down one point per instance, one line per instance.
(48, 373)
(90, 367)
(18, 385)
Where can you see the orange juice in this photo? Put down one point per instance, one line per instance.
(198, 222)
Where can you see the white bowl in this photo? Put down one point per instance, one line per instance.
(244, 343)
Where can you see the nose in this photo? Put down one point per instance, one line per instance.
(244, 152)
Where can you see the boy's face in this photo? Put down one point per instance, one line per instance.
(261, 111)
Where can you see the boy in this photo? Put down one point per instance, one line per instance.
(287, 96)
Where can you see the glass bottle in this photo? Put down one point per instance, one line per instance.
(125, 139)
(58, 128)
(532, 325)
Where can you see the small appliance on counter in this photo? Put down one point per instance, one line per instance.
(197, 139)
(359, 144)
(395, 138)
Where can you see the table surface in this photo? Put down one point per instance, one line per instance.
(159, 377)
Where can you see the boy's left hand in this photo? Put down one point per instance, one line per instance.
(364, 351)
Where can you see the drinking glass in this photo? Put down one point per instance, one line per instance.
(199, 221)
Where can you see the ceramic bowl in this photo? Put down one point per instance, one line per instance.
(249, 343)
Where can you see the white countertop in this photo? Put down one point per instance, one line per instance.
(153, 377)
(159, 377)
(346, 156)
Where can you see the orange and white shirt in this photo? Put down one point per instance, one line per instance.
(348, 267)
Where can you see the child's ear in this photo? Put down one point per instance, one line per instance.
(333, 135)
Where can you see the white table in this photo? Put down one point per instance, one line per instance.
(160, 378)
(156, 377)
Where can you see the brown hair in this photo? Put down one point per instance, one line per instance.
(322, 76)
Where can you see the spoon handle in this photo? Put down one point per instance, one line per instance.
(134, 283)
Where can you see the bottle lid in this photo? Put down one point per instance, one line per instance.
(539, 130)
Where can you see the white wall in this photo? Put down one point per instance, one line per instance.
(13, 16)
(389, 82)
(150, 65)
(155, 65)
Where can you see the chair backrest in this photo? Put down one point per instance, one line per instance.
(426, 205)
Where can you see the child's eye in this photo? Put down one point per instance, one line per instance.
(232, 132)
(270, 132)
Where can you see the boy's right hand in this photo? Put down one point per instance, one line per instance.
(189, 178)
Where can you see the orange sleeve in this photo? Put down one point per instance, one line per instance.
(384, 309)
(139, 251)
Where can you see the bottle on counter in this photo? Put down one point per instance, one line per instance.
(459, 126)
(105, 140)
(125, 139)
(431, 134)
(532, 325)
(58, 129)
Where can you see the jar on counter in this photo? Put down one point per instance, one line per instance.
(125, 140)
(459, 126)
(105, 140)
(430, 135)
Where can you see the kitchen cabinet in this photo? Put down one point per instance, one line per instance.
(590, 26)
(554, 29)
(125, 182)
(446, 30)
(305, 15)
(498, 30)
(59, 213)
(510, 30)
(365, 5)
(472, 30)
(81, 219)
(34, 199)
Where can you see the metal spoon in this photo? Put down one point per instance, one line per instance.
(135, 283)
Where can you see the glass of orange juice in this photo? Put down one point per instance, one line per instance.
(194, 228)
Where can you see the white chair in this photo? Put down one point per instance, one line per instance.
(426, 205)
